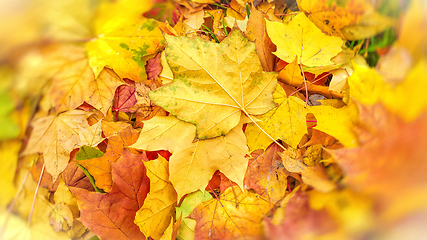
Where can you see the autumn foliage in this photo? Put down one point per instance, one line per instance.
(204, 119)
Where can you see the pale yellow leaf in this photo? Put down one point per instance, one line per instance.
(154, 217)
(100, 92)
(192, 167)
(56, 137)
(301, 38)
(160, 133)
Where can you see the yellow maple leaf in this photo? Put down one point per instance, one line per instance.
(70, 73)
(193, 163)
(160, 133)
(56, 137)
(329, 19)
(123, 39)
(154, 217)
(215, 83)
(234, 215)
(288, 121)
(301, 38)
(192, 167)
(101, 90)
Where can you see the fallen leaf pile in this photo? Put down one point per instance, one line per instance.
(203, 119)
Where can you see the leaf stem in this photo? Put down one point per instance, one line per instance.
(35, 195)
(305, 83)
(262, 130)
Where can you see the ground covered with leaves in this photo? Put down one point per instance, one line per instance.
(200, 119)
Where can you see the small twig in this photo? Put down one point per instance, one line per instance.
(35, 195)
(268, 135)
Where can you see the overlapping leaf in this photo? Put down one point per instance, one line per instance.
(101, 91)
(56, 137)
(123, 40)
(215, 83)
(235, 215)
(192, 167)
(288, 121)
(111, 215)
(301, 38)
(155, 215)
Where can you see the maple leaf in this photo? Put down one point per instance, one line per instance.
(120, 136)
(102, 90)
(330, 19)
(159, 133)
(256, 31)
(192, 164)
(56, 137)
(154, 216)
(288, 121)
(234, 215)
(65, 209)
(215, 83)
(301, 38)
(266, 174)
(123, 41)
(192, 167)
(111, 215)
(71, 75)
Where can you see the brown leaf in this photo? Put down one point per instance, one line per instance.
(74, 176)
(110, 215)
(266, 174)
(255, 31)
